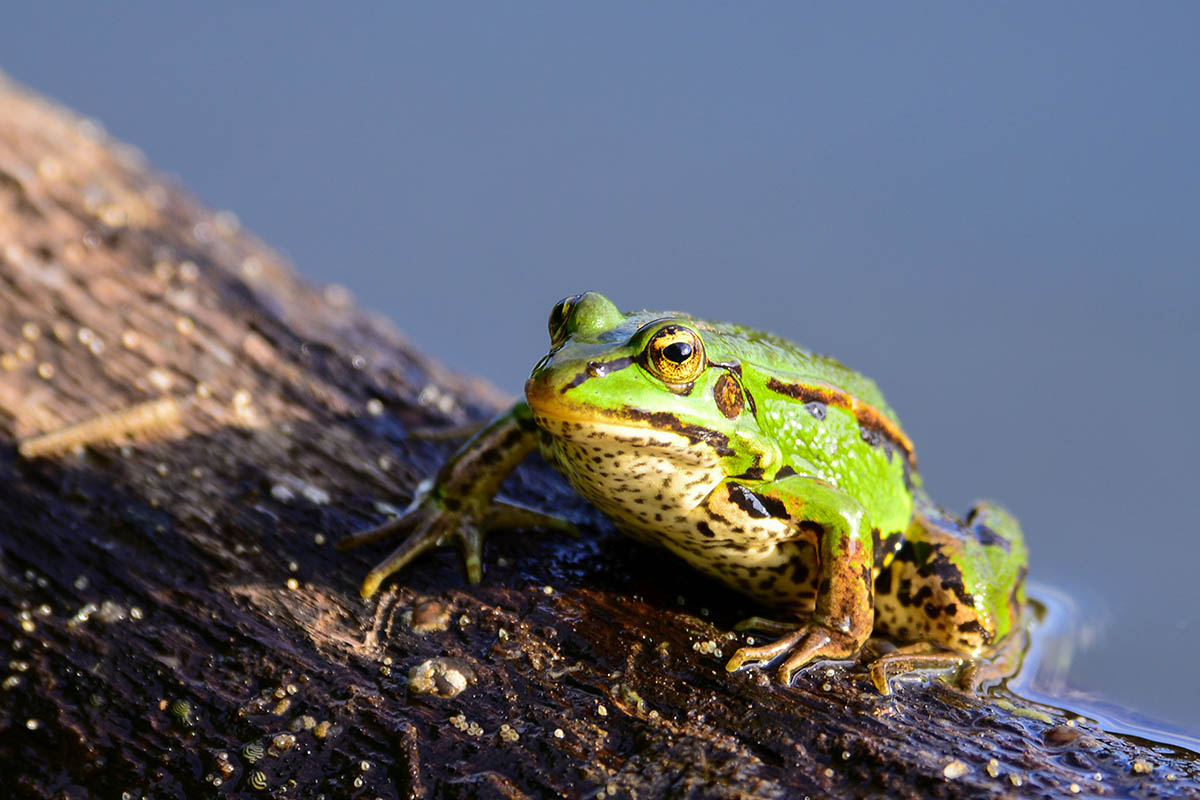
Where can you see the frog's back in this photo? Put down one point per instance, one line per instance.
(790, 363)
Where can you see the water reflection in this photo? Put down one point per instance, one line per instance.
(1059, 629)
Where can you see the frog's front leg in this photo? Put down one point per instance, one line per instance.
(460, 502)
(842, 618)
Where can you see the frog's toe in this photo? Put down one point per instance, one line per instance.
(383, 531)
(503, 515)
(772, 627)
(766, 652)
(802, 645)
(428, 535)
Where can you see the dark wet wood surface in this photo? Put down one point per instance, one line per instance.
(177, 623)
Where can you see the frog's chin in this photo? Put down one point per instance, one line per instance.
(660, 431)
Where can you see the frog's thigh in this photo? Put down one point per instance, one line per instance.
(932, 591)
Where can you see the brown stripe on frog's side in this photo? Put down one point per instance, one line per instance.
(873, 423)
(598, 369)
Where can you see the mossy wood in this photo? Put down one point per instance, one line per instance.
(175, 619)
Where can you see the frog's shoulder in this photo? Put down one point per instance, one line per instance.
(789, 364)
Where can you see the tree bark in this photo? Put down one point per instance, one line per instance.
(178, 623)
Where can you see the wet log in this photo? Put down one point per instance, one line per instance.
(177, 622)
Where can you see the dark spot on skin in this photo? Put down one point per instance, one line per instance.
(814, 528)
(951, 610)
(932, 611)
(511, 439)
(756, 505)
(916, 553)
(705, 530)
(973, 626)
(785, 472)
(888, 546)
(883, 584)
(752, 474)
(799, 567)
(728, 396)
(817, 409)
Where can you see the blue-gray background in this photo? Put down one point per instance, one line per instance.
(990, 208)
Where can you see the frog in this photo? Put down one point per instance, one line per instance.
(779, 472)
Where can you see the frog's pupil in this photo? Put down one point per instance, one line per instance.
(678, 352)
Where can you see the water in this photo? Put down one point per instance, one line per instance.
(1058, 633)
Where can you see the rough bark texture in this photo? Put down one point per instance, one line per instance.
(176, 621)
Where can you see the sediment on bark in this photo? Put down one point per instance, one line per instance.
(176, 622)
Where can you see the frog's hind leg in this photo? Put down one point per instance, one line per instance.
(971, 672)
(952, 582)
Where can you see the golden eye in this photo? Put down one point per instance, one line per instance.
(675, 354)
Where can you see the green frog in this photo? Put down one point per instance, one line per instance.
(779, 472)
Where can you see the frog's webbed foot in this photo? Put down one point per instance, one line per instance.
(922, 656)
(970, 672)
(434, 522)
(802, 644)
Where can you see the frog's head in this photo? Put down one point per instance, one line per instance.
(607, 371)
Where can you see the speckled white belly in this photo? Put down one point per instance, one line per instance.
(663, 489)
(648, 481)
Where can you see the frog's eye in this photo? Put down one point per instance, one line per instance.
(587, 315)
(558, 319)
(675, 354)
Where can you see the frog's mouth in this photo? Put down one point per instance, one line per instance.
(566, 420)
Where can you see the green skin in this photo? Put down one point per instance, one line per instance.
(777, 471)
